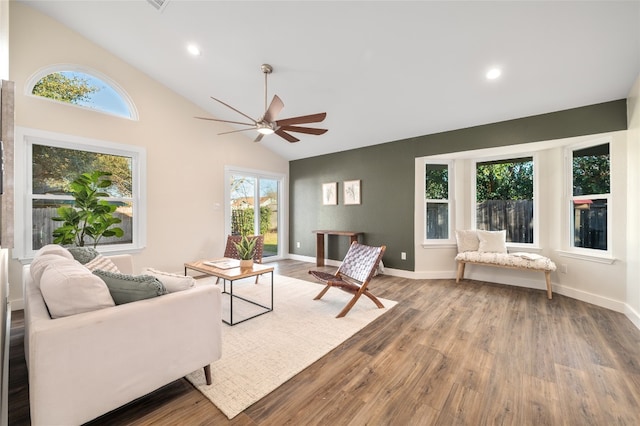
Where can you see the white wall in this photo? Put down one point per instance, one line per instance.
(633, 206)
(185, 157)
(604, 284)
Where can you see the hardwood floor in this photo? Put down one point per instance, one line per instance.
(470, 353)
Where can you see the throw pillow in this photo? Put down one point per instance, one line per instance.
(83, 254)
(54, 249)
(172, 282)
(130, 288)
(103, 263)
(40, 263)
(492, 241)
(467, 240)
(68, 288)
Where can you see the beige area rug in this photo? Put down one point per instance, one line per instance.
(264, 352)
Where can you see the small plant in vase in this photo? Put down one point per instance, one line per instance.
(246, 248)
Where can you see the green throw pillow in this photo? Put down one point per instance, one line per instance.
(129, 288)
(83, 254)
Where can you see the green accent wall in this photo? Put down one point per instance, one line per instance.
(386, 172)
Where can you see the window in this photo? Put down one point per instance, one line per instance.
(505, 198)
(53, 161)
(437, 203)
(254, 202)
(71, 84)
(590, 196)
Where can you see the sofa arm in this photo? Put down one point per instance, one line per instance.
(85, 365)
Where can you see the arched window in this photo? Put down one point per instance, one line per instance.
(82, 87)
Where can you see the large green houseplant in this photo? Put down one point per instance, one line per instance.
(90, 216)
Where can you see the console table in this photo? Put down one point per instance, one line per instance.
(353, 236)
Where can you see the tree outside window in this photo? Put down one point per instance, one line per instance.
(504, 198)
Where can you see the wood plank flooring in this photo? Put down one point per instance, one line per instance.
(472, 353)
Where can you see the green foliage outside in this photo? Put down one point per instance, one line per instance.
(242, 221)
(61, 88)
(512, 180)
(89, 217)
(591, 174)
(55, 168)
(437, 182)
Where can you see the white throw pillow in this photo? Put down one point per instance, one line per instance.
(492, 241)
(467, 240)
(68, 288)
(40, 263)
(172, 282)
(102, 263)
(54, 249)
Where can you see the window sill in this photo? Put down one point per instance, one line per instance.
(443, 245)
(607, 260)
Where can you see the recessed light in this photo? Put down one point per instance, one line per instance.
(494, 73)
(193, 49)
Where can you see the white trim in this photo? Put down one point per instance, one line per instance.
(50, 69)
(26, 137)
(588, 256)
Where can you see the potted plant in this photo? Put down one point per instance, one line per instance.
(90, 216)
(246, 248)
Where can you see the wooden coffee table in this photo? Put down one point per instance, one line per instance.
(227, 270)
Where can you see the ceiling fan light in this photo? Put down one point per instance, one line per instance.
(265, 130)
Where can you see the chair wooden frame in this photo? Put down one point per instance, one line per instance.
(354, 274)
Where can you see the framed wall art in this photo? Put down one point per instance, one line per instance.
(352, 191)
(330, 193)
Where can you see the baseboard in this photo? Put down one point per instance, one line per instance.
(633, 315)
(17, 305)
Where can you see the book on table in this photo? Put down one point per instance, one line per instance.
(224, 263)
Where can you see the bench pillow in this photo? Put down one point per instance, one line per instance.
(467, 240)
(492, 241)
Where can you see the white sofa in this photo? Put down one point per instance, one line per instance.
(84, 365)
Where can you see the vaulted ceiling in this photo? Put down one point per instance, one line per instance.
(382, 70)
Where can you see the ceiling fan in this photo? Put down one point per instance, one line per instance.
(267, 124)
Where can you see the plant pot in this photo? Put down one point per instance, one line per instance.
(248, 263)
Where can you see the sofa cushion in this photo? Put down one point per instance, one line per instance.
(467, 240)
(83, 254)
(40, 263)
(172, 282)
(54, 249)
(131, 288)
(492, 241)
(68, 288)
(102, 263)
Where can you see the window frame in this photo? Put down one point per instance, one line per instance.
(535, 156)
(24, 140)
(568, 210)
(450, 201)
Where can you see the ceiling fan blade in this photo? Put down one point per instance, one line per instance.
(239, 112)
(259, 138)
(236, 131)
(225, 121)
(274, 109)
(286, 135)
(309, 130)
(303, 119)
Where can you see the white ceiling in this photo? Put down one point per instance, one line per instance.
(382, 70)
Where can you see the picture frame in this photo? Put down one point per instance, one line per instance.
(351, 192)
(330, 193)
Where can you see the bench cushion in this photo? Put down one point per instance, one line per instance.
(511, 260)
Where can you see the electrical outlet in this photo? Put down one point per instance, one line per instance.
(403, 256)
(298, 244)
(563, 268)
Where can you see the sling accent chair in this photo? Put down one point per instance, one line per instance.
(353, 276)
(231, 251)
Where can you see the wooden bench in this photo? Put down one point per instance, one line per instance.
(523, 261)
